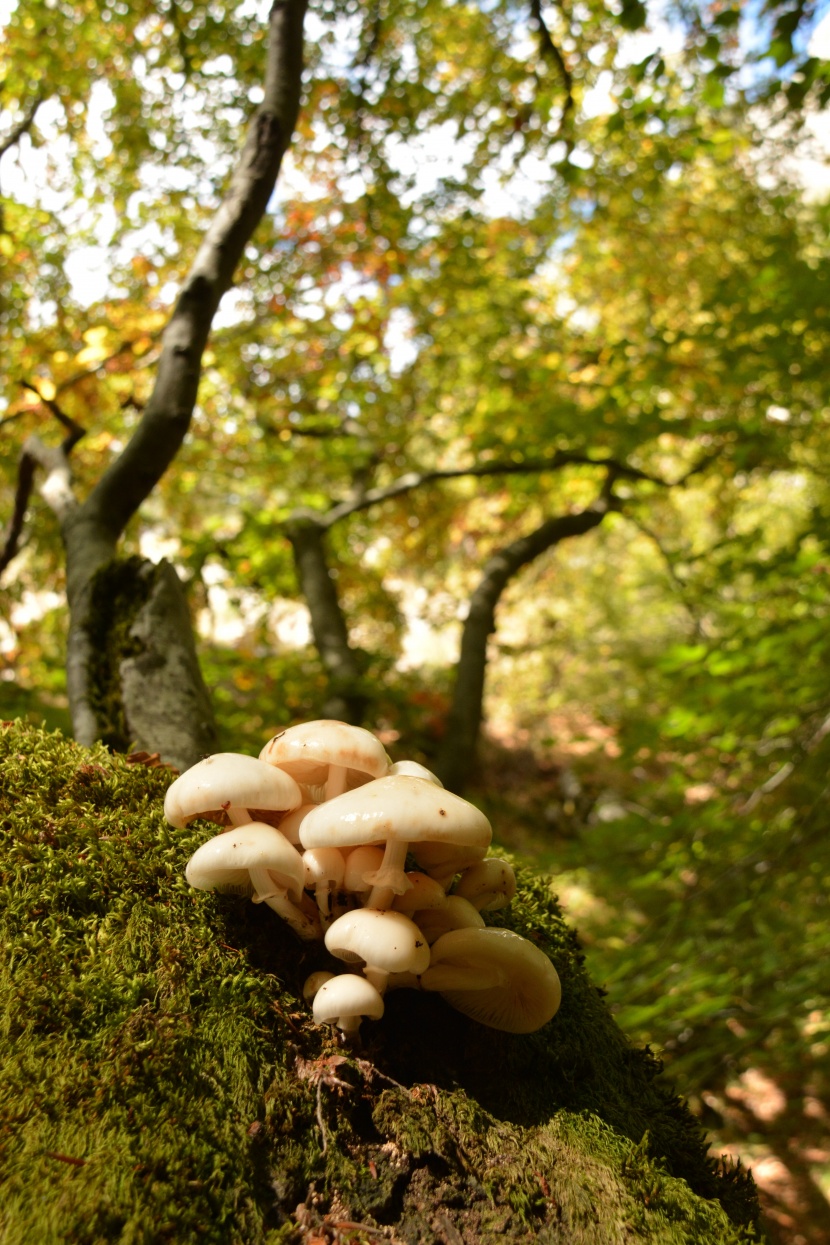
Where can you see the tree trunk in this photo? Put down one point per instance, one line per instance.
(91, 530)
(456, 760)
(164, 1082)
(345, 699)
(143, 673)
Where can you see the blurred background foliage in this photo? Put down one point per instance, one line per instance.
(496, 240)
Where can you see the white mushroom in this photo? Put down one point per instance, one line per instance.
(324, 868)
(230, 789)
(361, 864)
(399, 812)
(489, 885)
(314, 982)
(344, 1001)
(255, 858)
(289, 824)
(454, 913)
(496, 977)
(327, 757)
(388, 942)
(414, 769)
(424, 893)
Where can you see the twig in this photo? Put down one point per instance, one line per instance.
(65, 1158)
(322, 1125)
(369, 1070)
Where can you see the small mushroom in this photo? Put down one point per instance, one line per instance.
(255, 858)
(414, 769)
(424, 892)
(344, 1001)
(289, 824)
(361, 863)
(489, 885)
(388, 942)
(327, 757)
(313, 983)
(229, 788)
(324, 868)
(454, 913)
(496, 977)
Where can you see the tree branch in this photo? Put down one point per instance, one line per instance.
(25, 480)
(166, 418)
(22, 127)
(553, 53)
(57, 488)
(414, 479)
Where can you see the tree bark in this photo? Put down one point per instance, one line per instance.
(456, 760)
(91, 530)
(345, 699)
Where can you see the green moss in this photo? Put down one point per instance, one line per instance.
(118, 592)
(160, 1081)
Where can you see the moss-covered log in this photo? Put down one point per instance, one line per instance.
(161, 1080)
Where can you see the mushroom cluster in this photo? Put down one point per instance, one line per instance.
(375, 859)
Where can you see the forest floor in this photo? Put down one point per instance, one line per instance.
(774, 1124)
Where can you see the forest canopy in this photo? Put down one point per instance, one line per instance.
(493, 398)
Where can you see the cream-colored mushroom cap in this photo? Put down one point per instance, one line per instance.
(388, 942)
(228, 783)
(496, 977)
(344, 1000)
(489, 885)
(226, 862)
(403, 808)
(310, 751)
(414, 769)
(454, 913)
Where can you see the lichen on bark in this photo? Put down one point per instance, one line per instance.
(160, 1079)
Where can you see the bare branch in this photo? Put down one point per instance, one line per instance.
(22, 127)
(25, 480)
(74, 431)
(414, 479)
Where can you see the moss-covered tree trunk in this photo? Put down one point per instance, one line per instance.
(161, 1079)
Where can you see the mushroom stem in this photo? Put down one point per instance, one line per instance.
(336, 781)
(378, 977)
(390, 879)
(456, 977)
(238, 816)
(267, 891)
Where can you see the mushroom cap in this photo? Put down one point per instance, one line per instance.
(314, 982)
(359, 862)
(403, 808)
(455, 913)
(323, 865)
(414, 769)
(346, 995)
(228, 780)
(224, 862)
(443, 860)
(488, 885)
(424, 892)
(384, 940)
(525, 991)
(290, 823)
(307, 750)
